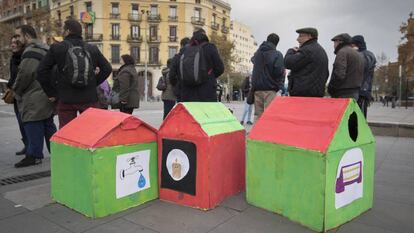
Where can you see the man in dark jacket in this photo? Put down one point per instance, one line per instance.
(72, 100)
(358, 43)
(268, 74)
(174, 73)
(34, 106)
(205, 92)
(348, 69)
(308, 65)
(17, 50)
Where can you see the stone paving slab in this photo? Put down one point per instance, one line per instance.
(171, 218)
(122, 226)
(9, 209)
(29, 223)
(33, 197)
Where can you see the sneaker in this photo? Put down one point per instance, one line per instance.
(21, 152)
(249, 123)
(28, 161)
(242, 122)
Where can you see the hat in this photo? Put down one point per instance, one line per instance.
(359, 41)
(344, 37)
(311, 31)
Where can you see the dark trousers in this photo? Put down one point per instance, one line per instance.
(19, 121)
(124, 109)
(168, 105)
(363, 103)
(68, 112)
(36, 132)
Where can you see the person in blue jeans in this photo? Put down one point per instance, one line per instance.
(246, 85)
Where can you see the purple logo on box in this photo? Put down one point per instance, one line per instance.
(349, 174)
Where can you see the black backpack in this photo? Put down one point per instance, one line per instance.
(193, 66)
(79, 70)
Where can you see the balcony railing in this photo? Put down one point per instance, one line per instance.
(134, 39)
(10, 17)
(134, 17)
(114, 15)
(173, 18)
(154, 18)
(215, 26)
(198, 21)
(153, 39)
(172, 38)
(115, 37)
(93, 37)
(115, 60)
(224, 29)
(154, 62)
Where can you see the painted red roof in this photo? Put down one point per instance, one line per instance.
(307, 123)
(96, 128)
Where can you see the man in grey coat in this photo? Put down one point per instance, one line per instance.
(348, 69)
(34, 106)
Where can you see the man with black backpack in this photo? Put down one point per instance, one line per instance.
(36, 110)
(174, 74)
(76, 63)
(199, 67)
(268, 74)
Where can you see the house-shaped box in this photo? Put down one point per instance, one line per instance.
(104, 162)
(201, 155)
(311, 160)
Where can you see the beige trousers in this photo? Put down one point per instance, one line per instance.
(262, 99)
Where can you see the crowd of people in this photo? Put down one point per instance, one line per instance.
(69, 76)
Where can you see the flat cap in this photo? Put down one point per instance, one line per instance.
(311, 31)
(344, 37)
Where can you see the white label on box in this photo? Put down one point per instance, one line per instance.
(132, 173)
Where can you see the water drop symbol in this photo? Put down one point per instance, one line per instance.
(141, 181)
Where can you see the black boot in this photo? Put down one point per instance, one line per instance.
(22, 152)
(28, 161)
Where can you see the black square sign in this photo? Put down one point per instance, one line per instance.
(179, 166)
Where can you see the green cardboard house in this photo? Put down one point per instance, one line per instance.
(311, 160)
(104, 162)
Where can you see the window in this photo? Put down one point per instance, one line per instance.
(172, 51)
(135, 31)
(27, 8)
(59, 14)
(72, 11)
(213, 19)
(135, 53)
(153, 55)
(173, 31)
(197, 1)
(89, 31)
(224, 22)
(115, 8)
(88, 6)
(135, 9)
(34, 6)
(173, 11)
(115, 53)
(153, 31)
(115, 31)
(154, 10)
(197, 13)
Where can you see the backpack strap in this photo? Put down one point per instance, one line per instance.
(32, 54)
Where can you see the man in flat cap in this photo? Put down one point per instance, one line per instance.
(348, 69)
(358, 43)
(308, 65)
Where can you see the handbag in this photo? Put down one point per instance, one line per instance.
(250, 97)
(9, 96)
(114, 99)
(162, 84)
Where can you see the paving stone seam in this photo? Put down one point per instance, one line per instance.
(237, 213)
(387, 155)
(136, 224)
(12, 216)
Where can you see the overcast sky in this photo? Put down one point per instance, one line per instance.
(377, 20)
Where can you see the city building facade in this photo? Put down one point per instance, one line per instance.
(150, 31)
(245, 46)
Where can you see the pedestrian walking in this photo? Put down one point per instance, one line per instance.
(167, 96)
(174, 73)
(268, 74)
(348, 69)
(308, 65)
(34, 105)
(247, 113)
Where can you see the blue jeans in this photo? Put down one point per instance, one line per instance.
(247, 111)
(36, 132)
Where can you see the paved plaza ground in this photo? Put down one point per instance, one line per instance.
(27, 206)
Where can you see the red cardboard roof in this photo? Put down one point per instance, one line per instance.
(307, 123)
(96, 128)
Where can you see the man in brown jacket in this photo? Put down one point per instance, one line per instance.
(348, 69)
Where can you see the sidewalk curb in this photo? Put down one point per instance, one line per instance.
(393, 129)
